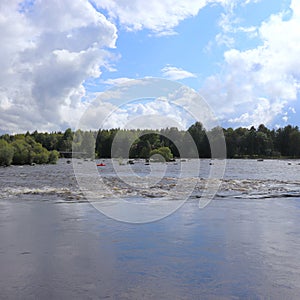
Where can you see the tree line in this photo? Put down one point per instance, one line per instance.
(240, 142)
(22, 149)
(38, 147)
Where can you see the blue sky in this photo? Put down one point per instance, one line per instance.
(242, 56)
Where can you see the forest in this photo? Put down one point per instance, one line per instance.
(38, 147)
(22, 149)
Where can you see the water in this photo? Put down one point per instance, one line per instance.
(244, 244)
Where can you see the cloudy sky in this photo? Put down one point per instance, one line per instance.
(56, 57)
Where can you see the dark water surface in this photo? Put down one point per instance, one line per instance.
(245, 244)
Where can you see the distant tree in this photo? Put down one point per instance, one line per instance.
(216, 142)
(164, 152)
(199, 136)
(263, 144)
(173, 139)
(122, 141)
(250, 141)
(22, 152)
(6, 153)
(53, 157)
(145, 151)
(40, 154)
(88, 144)
(6, 137)
(294, 139)
(282, 140)
(104, 142)
(27, 151)
(231, 142)
(240, 142)
(65, 141)
(142, 146)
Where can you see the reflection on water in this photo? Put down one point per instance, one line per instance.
(53, 245)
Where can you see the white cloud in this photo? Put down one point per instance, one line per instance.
(271, 71)
(48, 49)
(263, 113)
(224, 39)
(229, 23)
(174, 73)
(161, 17)
(158, 16)
(292, 109)
(155, 114)
(285, 118)
(167, 104)
(117, 81)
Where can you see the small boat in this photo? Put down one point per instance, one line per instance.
(260, 159)
(101, 165)
(130, 162)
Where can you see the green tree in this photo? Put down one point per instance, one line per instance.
(40, 154)
(65, 141)
(6, 153)
(104, 141)
(22, 152)
(294, 139)
(263, 145)
(88, 144)
(241, 143)
(142, 146)
(231, 142)
(53, 157)
(165, 152)
(282, 140)
(199, 136)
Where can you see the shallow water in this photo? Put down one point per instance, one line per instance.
(244, 244)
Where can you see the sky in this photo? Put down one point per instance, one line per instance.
(58, 56)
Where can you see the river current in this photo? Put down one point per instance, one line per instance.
(245, 244)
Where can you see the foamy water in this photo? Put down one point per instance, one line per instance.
(257, 180)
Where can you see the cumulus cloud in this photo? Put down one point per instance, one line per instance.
(260, 80)
(147, 103)
(155, 114)
(263, 113)
(158, 16)
(161, 17)
(48, 50)
(151, 114)
(174, 73)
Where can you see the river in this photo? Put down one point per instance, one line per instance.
(54, 244)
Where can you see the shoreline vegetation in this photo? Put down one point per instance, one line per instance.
(44, 148)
